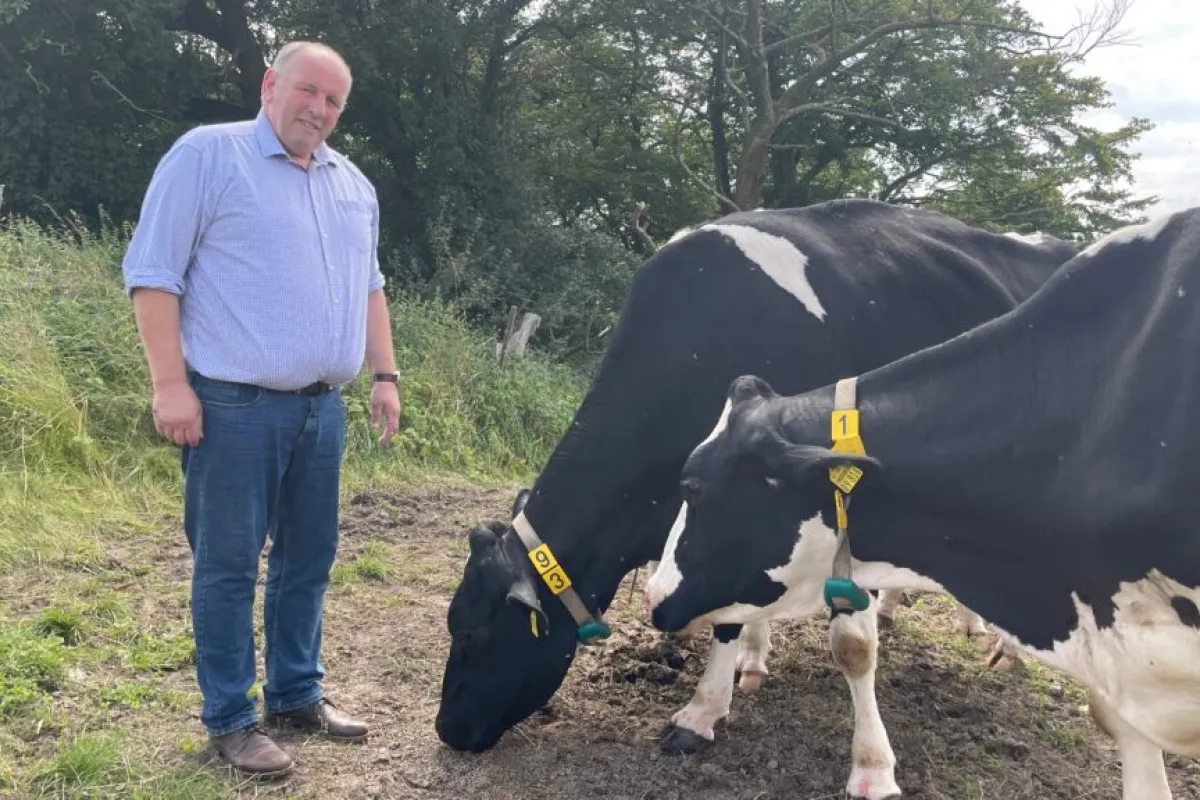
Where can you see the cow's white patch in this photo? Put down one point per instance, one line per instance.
(679, 234)
(778, 258)
(1144, 230)
(1144, 667)
(854, 644)
(1141, 673)
(711, 701)
(665, 578)
(721, 423)
(853, 641)
(1037, 237)
(714, 692)
(802, 575)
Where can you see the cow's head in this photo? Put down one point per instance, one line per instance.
(751, 497)
(511, 642)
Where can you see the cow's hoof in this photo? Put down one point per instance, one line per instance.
(872, 784)
(682, 742)
(751, 681)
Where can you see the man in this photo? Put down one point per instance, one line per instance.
(257, 292)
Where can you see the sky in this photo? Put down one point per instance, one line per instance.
(1156, 76)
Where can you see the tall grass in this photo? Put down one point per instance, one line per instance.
(80, 460)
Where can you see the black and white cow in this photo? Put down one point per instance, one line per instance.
(801, 296)
(1038, 468)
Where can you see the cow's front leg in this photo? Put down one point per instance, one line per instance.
(969, 623)
(1143, 774)
(1006, 653)
(754, 644)
(889, 601)
(693, 724)
(854, 642)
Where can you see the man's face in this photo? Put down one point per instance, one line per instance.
(304, 103)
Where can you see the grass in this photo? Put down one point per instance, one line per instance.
(94, 633)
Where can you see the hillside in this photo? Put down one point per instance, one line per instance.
(97, 690)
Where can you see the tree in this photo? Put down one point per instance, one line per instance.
(903, 101)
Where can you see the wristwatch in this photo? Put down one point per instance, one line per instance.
(387, 377)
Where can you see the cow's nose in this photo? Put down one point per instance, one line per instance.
(652, 598)
(663, 620)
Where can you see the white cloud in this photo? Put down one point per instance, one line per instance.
(1157, 77)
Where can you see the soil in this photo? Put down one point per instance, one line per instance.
(959, 730)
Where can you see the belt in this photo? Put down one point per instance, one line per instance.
(312, 390)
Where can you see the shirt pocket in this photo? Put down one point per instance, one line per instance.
(354, 220)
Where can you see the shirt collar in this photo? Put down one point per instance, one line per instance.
(270, 145)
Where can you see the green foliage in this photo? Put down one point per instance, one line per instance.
(462, 412)
(98, 765)
(78, 450)
(32, 664)
(512, 144)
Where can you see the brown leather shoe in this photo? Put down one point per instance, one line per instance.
(321, 717)
(250, 750)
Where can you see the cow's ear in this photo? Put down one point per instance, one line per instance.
(804, 461)
(749, 387)
(520, 500)
(523, 593)
(483, 538)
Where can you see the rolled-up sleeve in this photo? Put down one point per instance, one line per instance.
(174, 213)
(376, 280)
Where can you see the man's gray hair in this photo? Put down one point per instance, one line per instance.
(287, 54)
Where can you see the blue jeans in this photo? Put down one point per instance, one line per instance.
(269, 464)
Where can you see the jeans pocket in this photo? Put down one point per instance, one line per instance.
(218, 394)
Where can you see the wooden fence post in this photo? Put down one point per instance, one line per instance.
(516, 337)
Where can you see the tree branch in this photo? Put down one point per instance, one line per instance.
(635, 222)
(229, 30)
(677, 148)
(826, 108)
(758, 70)
(908, 177)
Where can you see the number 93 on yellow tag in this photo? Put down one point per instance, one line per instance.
(548, 567)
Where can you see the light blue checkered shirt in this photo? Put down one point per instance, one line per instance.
(272, 263)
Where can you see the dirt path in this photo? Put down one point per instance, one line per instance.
(959, 731)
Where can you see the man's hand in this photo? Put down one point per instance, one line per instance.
(177, 413)
(385, 409)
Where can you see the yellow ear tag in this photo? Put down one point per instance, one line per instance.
(843, 521)
(533, 623)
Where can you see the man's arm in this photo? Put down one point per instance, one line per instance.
(157, 315)
(385, 397)
(379, 333)
(174, 214)
(175, 407)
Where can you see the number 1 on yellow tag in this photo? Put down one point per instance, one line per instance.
(845, 425)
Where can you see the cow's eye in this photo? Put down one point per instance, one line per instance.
(691, 489)
(474, 637)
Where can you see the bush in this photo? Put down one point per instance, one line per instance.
(78, 449)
